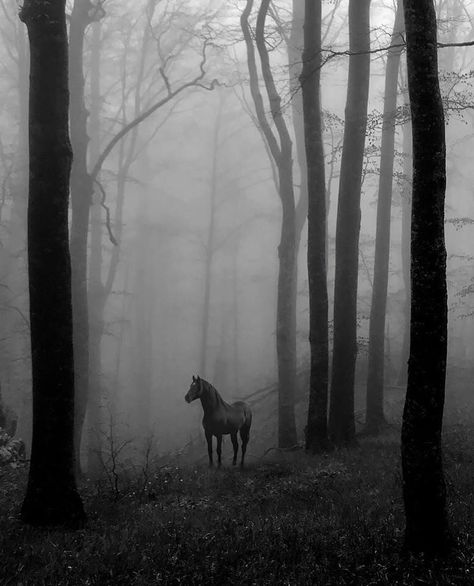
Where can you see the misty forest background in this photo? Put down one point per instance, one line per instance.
(200, 131)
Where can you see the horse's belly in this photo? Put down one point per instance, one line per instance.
(223, 425)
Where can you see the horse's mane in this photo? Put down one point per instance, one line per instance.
(207, 387)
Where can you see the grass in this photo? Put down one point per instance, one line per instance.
(285, 519)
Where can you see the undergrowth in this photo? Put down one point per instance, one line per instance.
(285, 519)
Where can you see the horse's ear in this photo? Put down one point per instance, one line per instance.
(198, 378)
(194, 378)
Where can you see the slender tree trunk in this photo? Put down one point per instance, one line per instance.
(51, 496)
(81, 195)
(235, 318)
(281, 148)
(424, 488)
(96, 296)
(375, 417)
(341, 414)
(286, 300)
(316, 430)
(405, 245)
(295, 50)
(286, 310)
(144, 328)
(210, 242)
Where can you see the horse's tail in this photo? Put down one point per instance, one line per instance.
(248, 416)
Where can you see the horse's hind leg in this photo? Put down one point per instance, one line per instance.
(235, 445)
(219, 449)
(244, 436)
(209, 446)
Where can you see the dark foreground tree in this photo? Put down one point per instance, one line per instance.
(316, 430)
(424, 489)
(341, 414)
(51, 496)
(375, 418)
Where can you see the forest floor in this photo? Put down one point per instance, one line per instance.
(287, 518)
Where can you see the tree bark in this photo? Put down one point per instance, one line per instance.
(375, 418)
(424, 488)
(341, 414)
(51, 496)
(316, 430)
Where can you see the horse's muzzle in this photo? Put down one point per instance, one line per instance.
(187, 398)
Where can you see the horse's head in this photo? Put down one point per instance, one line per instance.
(195, 390)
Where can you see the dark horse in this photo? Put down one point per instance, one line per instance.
(220, 418)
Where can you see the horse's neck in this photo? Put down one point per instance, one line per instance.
(211, 400)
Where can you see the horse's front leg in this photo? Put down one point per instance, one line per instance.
(209, 446)
(219, 449)
(235, 445)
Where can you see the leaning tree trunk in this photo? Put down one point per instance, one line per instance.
(341, 414)
(316, 430)
(424, 488)
(295, 49)
(51, 496)
(375, 418)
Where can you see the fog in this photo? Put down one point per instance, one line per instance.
(194, 208)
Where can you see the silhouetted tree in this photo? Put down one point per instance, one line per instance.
(424, 488)
(341, 413)
(375, 379)
(316, 431)
(51, 496)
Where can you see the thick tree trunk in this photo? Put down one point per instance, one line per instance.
(316, 430)
(51, 496)
(424, 488)
(375, 417)
(341, 414)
